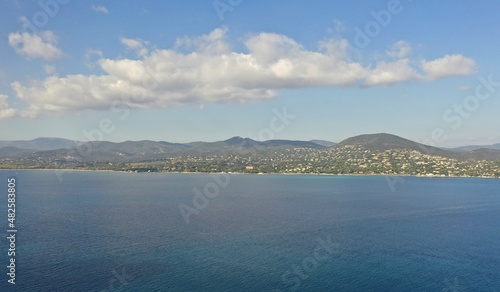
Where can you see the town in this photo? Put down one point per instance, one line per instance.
(348, 159)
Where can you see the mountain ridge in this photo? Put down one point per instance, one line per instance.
(54, 143)
(384, 141)
(364, 154)
(148, 149)
(477, 147)
(40, 144)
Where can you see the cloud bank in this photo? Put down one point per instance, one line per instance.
(206, 69)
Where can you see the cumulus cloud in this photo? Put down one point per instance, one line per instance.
(449, 65)
(400, 49)
(49, 69)
(337, 27)
(91, 56)
(212, 43)
(389, 73)
(5, 110)
(137, 45)
(100, 9)
(335, 48)
(41, 45)
(205, 69)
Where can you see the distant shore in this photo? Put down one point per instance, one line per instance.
(242, 173)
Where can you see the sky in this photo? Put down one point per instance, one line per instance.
(205, 70)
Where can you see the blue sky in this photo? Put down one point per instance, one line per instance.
(191, 70)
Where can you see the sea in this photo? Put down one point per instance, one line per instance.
(117, 231)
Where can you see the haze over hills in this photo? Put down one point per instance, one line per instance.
(152, 149)
(477, 147)
(40, 144)
(381, 141)
(324, 143)
(139, 150)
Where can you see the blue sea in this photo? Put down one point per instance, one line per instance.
(110, 231)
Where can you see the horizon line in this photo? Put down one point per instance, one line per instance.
(214, 141)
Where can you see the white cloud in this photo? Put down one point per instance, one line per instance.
(100, 9)
(137, 45)
(335, 48)
(5, 110)
(389, 73)
(50, 69)
(3, 101)
(339, 26)
(42, 45)
(449, 65)
(204, 69)
(90, 57)
(212, 43)
(400, 49)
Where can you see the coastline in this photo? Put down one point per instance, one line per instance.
(244, 173)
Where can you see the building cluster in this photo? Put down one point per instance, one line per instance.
(349, 159)
(341, 160)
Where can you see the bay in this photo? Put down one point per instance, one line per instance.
(111, 231)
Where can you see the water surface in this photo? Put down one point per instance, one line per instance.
(95, 231)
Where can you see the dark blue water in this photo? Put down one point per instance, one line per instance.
(101, 231)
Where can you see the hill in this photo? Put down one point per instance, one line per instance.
(477, 147)
(324, 143)
(481, 154)
(59, 149)
(40, 144)
(365, 154)
(383, 141)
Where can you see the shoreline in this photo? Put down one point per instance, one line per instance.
(245, 173)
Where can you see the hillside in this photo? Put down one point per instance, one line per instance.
(383, 141)
(40, 144)
(477, 147)
(324, 143)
